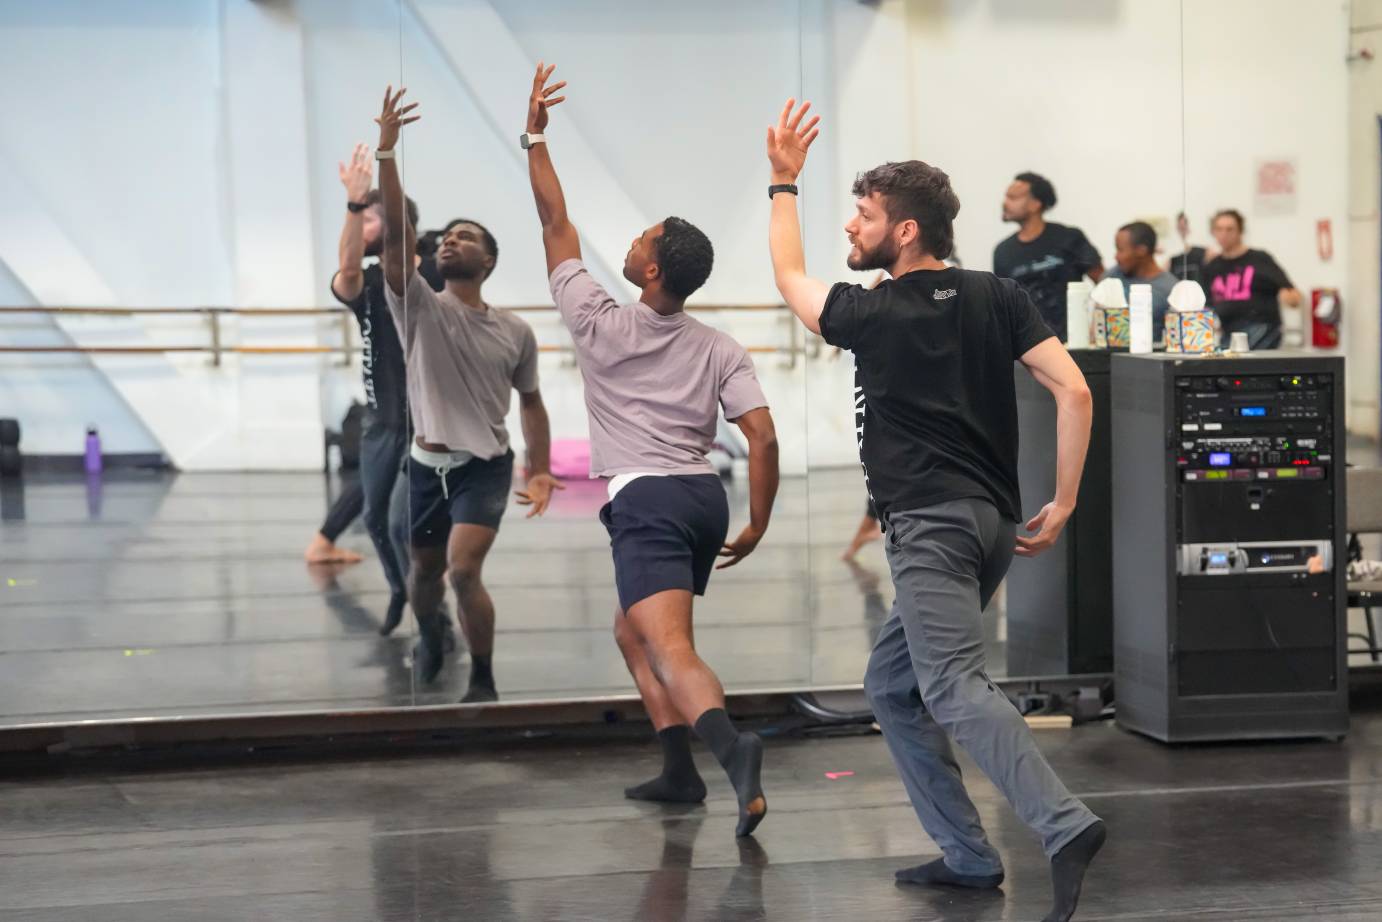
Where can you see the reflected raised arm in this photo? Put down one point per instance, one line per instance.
(400, 241)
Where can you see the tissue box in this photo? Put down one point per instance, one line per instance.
(1192, 331)
(1110, 327)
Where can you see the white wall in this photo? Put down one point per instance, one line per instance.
(1364, 245)
(151, 173)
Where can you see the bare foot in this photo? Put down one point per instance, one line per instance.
(868, 532)
(320, 550)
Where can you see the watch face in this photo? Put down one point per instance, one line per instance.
(523, 141)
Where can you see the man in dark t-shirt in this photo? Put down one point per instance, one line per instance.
(384, 437)
(936, 412)
(1043, 257)
(1246, 287)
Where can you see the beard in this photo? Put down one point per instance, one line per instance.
(883, 256)
(455, 269)
(375, 247)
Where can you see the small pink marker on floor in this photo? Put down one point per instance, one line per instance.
(836, 776)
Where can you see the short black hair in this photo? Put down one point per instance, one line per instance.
(1142, 235)
(1041, 187)
(684, 255)
(1233, 213)
(491, 245)
(912, 190)
(376, 198)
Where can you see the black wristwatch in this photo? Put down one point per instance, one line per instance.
(782, 187)
(356, 207)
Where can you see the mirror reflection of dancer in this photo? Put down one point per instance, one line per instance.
(655, 379)
(382, 490)
(463, 360)
(940, 460)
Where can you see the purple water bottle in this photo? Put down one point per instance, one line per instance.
(93, 450)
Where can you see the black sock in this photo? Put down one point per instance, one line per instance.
(1067, 871)
(741, 754)
(395, 613)
(481, 670)
(937, 874)
(679, 781)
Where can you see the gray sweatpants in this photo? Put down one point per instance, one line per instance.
(927, 683)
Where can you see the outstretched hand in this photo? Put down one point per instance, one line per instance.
(538, 493)
(789, 140)
(358, 175)
(391, 119)
(542, 99)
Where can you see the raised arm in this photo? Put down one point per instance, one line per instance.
(1052, 366)
(559, 236)
(357, 177)
(757, 426)
(400, 241)
(788, 142)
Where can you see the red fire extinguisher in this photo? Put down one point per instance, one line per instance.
(1326, 310)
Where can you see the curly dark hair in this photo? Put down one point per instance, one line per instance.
(684, 255)
(916, 191)
(1142, 234)
(1041, 187)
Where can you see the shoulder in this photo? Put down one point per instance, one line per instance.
(515, 322)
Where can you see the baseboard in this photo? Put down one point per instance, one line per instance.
(76, 464)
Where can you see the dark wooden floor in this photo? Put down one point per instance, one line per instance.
(540, 831)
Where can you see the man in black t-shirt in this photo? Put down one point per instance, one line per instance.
(384, 438)
(1043, 257)
(1246, 287)
(936, 414)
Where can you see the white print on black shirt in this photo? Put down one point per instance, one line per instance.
(939, 295)
(860, 409)
(367, 357)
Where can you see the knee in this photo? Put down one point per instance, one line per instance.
(624, 634)
(465, 575)
(882, 691)
(953, 699)
(427, 568)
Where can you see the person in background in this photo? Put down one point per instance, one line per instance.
(1043, 256)
(1246, 287)
(1189, 263)
(1134, 254)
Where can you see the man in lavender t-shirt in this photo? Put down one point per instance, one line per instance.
(655, 380)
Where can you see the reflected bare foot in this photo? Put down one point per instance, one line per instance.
(324, 575)
(320, 550)
(868, 532)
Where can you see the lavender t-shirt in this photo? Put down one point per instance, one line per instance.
(652, 383)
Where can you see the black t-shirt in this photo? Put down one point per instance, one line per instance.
(386, 386)
(1188, 265)
(1044, 267)
(1244, 289)
(935, 409)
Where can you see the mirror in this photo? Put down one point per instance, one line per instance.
(245, 416)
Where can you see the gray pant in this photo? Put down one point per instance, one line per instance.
(927, 683)
(382, 449)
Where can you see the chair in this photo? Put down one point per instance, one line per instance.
(1364, 517)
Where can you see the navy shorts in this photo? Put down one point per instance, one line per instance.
(476, 493)
(666, 533)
